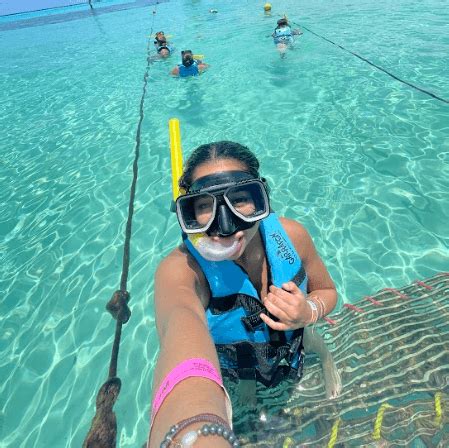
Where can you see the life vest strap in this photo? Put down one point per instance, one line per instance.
(266, 363)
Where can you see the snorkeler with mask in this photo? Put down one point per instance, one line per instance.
(190, 66)
(162, 46)
(237, 298)
(284, 36)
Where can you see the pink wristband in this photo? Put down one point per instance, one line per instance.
(190, 367)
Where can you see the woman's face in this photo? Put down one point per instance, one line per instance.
(243, 237)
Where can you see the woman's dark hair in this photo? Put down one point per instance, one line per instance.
(218, 151)
(282, 22)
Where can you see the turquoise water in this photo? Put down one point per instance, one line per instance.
(359, 158)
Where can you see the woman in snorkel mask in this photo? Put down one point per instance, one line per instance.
(189, 65)
(239, 291)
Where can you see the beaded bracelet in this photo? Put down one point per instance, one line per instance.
(218, 427)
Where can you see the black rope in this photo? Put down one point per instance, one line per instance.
(103, 430)
(126, 248)
(374, 65)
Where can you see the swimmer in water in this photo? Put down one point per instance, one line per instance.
(163, 48)
(189, 65)
(240, 293)
(284, 36)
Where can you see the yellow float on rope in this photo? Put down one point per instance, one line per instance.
(438, 409)
(379, 418)
(198, 56)
(334, 433)
(175, 155)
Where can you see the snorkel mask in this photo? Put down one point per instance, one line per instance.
(164, 47)
(187, 58)
(221, 204)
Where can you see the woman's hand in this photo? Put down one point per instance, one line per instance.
(289, 305)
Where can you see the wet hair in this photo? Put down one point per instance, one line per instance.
(218, 151)
(282, 22)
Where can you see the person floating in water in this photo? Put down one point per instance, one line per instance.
(284, 36)
(163, 48)
(190, 66)
(237, 299)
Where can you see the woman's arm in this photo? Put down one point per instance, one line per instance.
(180, 298)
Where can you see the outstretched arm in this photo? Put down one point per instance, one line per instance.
(180, 298)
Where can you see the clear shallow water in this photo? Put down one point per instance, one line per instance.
(360, 159)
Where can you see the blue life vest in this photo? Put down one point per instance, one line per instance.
(283, 35)
(243, 341)
(188, 71)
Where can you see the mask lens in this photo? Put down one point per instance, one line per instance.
(249, 201)
(196, 212)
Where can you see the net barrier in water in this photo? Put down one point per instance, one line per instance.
(392, 352)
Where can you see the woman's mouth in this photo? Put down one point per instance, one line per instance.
(218, 249)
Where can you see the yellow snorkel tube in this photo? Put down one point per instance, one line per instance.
(174, 132)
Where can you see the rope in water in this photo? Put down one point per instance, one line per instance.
(103, 431)
(427, 92)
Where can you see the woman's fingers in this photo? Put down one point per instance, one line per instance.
(277, 307)
(287, 304)
(273, 324)
(291, 287)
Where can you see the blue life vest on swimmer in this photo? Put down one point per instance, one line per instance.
(192, 70)
(247, 348)
(283, 35)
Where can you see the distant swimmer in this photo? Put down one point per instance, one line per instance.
(159, 39)
(163, 48)
(190, 66)
(284, 36)
(164, 51)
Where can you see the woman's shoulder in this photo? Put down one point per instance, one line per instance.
(298, 235)
(179, 264)
(177, 258)
(293, 228)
